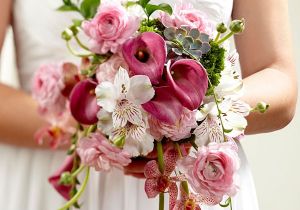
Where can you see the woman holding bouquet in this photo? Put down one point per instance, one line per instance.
(36, 25)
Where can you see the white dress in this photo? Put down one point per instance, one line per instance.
(24, 172)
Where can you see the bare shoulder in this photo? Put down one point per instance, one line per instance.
(266, 42)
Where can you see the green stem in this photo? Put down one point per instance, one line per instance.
(160, 157)
(80, 43)
(161, 201)
(73, 52)
(225, 38)
(75, 198)
(78, 171)
(217, 37)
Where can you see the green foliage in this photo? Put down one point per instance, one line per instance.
(151, 8)
(87, 8)
(143, 3)
(214, 63)
(152, 26)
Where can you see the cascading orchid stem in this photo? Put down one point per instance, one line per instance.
(184, 184)
(75, 198)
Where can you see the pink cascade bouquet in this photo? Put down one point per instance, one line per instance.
(154, 82)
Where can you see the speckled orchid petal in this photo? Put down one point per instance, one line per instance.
(188, 80)
(164, 106)
(63, 190)
(146, 55)
(83, 103)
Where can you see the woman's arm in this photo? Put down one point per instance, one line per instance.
(267, 62)
(18, 116)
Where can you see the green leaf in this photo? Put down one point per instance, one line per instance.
(150, 8)
(77, 22)
(144, 3)
(131, 3)
(88, 8)
(67, 8)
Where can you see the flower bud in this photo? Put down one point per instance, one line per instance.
(67, 34)
(221, 28)
(262, 107)
(66, 178)
(237, 26)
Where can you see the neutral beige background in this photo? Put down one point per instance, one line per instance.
(274, 157)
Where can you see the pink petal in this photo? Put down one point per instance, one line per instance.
(188, 80)
(151, 188)
(83, 103)
(151, 170)
(164, 106)
(70, 78)
(54, 179)
(170, 158)
(173, 192)
(154, 48)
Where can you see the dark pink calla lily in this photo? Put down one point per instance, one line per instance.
(146, 55)
(83, 104)
(188, 80)
(164, 106)
(64, 190)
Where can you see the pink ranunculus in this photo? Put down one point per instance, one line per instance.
(181, 129)
(96, 151)
(64, 190)
(107, 70)
(110, 28)
(212, 173)
(71, 77)
(185, 14)
(46, 89)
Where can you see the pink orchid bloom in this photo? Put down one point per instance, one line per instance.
(187, 201)
(188, 80)
(157, 182)
(160, 105)
(146, 55)
(64, 190)
(83, 103)
(71, 77)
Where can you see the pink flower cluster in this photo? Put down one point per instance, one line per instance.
(96, 151)
(110, 28)
(212, 173)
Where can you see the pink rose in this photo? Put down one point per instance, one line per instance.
(212, 173)
(46, 89)
(110, 28)
(108, 69)
(185, 15)
(180, 130)
(96, 151)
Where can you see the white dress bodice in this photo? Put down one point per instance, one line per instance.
(23, 172)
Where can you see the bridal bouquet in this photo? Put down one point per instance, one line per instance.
(155, 83)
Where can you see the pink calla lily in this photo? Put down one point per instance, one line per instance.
(164, 106)
(83, 103)
(64, 190)
(188, 80)
(146, 55)
(71, 77)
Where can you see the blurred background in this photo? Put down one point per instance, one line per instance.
(274, 157)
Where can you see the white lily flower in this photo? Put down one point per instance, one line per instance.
(124, 97)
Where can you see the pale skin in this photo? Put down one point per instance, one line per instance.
(266, 59)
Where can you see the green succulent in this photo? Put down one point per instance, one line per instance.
(187, 41)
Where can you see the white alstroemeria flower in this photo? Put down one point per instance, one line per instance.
(124, 97)
(233, 119)
(105, 124)
(210, 130)
(137, 140)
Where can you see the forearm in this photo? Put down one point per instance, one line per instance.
(19, 118)
(275, 88)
